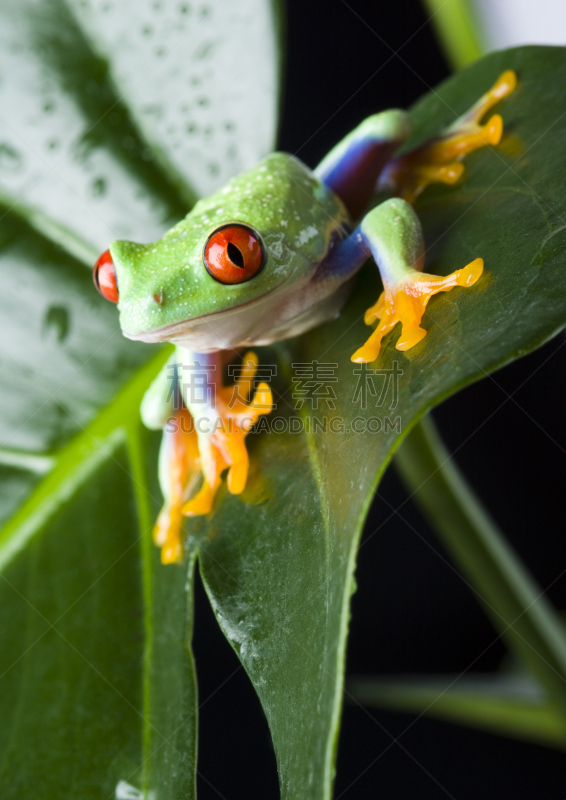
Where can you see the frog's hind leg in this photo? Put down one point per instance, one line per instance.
(229, 418)
(351, 169)
(439, 159)
(179, 459)
(203, 440)
(391, 232)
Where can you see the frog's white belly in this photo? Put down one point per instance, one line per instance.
(287, 312)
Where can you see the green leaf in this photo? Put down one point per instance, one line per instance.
(510, 706)
(97, 689)
(279, 567)
(99, 685)
(457, 30)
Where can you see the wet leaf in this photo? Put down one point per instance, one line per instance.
(98, 692)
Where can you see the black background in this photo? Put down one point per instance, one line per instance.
(412, 612)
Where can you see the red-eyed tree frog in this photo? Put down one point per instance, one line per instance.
(269, 256)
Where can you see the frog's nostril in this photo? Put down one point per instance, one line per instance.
(158, 297)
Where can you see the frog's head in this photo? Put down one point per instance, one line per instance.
(216, 278)
(162, 288)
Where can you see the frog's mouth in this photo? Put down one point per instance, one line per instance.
(223, 325)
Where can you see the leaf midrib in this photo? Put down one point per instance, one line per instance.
(75, 462)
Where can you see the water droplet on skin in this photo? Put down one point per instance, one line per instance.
(56, 321)
(49, 106)
(10, 159)
(185, 9)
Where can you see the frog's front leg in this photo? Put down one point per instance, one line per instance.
(391, 233)
(223, 416)
(438, 160)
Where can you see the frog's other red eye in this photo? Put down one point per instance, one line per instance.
(104, 277)
(233, 254)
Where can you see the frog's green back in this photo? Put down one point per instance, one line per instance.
(280, 197)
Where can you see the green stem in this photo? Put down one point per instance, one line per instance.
(456, 30)
(497, 704)
(516, 605)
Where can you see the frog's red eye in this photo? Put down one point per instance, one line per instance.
(104, 277)
(233, 254)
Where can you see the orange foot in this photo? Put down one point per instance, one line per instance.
(224, 446)
(405, 302)
(439, 159)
